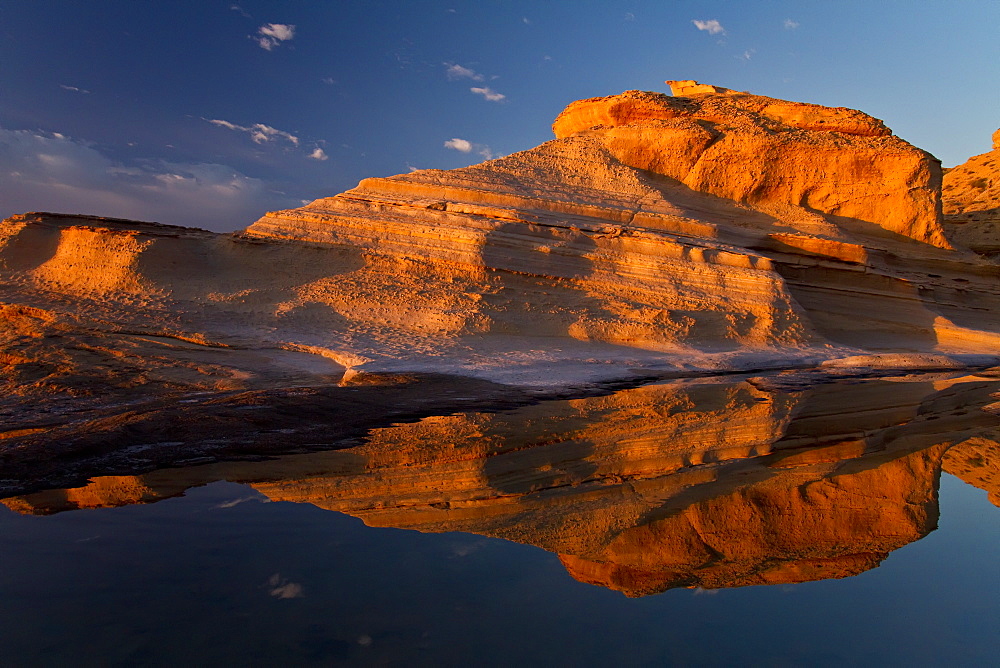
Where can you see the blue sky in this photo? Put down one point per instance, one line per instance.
(210, 113)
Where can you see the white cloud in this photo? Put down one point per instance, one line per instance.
(629, 16)
(466, 146)
(74, 89)
(525, 20)
(712, 27)
(455, 71)
(279, 31)
(242, 12)
(790, 24)
(318, 154)
(329, 81)
(489, 94)
(463, 145)
(53, 172)
(748, 54)
(271, 35)
(260, 133)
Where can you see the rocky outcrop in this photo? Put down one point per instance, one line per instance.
(655, 236)
(971, 195)
(786, 159)
(691, 197)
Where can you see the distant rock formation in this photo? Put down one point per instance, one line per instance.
(971, 195)
(691, 87)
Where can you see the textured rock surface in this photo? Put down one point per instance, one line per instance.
(790, 160)
(700, 483)
(689, 221)
(654, 236)
(971, 196)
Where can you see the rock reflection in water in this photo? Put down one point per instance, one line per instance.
(719, 483)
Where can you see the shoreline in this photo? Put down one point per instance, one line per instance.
(193, 428)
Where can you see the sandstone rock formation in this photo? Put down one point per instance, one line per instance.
(710, 483)
(655, 236)
(971, 195)
(800, 163)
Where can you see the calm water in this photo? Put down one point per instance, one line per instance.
(681, 496)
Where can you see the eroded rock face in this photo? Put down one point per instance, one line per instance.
(656, 235)
(787, 159)
(679, 214)
(971, 195)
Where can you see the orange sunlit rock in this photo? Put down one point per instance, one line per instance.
(656, 235)
(787, 159)
(971, 195)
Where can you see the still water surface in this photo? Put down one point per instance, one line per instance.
(733, 522)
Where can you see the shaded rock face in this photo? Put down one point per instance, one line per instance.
(721, 483)
(971, 195)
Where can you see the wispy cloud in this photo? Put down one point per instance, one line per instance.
(466, 146)
(711, 26)
(629, 16)
(329, 81)
(318, 154)
(455, 71)
(280, 587)
(242, 12)
(790, 24)
(232, 503)
(53, 172)
(271, 35)
(489, 94)
(74, 89)
(748, 54)
(260, 133)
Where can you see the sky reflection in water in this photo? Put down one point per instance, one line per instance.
(721, 484)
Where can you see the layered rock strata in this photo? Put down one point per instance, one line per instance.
(702, 232)
(727, 205)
